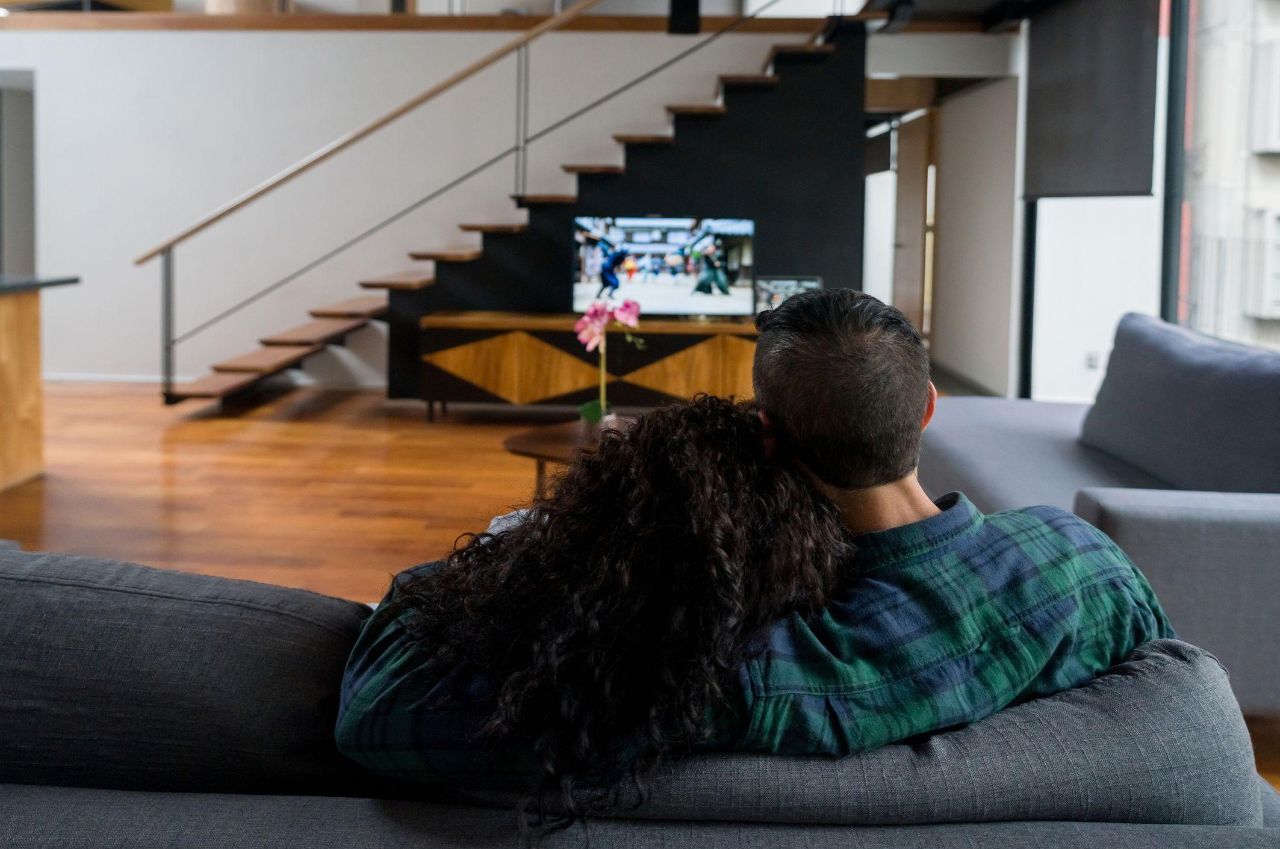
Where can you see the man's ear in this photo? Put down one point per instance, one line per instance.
(930, 406)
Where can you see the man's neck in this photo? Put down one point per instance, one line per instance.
(880, 508)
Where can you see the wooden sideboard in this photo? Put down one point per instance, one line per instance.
(515, 358)
(21, 387)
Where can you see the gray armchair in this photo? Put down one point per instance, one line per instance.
(1214, 559)
(1178, 461)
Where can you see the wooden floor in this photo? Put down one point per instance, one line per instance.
(329, 491)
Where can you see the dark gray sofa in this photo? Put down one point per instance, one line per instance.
(1178, 461)
(144, 708)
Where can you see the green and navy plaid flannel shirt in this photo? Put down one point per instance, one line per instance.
(945, 621)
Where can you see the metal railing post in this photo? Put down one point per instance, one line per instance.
(522, 120)
(166, 325)
(515, 188)
(524, 128)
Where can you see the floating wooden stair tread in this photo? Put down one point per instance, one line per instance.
(531, 200)
(265, 361)
(493, 228)
(696, 109)
(811, 50)
(218, 385)
(641, 138)
(319, 332)
(449, 254)
(365, 306)
(594, 169)
(762, 80)
(399, 281)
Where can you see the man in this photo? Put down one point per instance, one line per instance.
(609, 281)
(951, 614)
(712, 272)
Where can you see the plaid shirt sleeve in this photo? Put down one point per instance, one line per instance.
(401, 716)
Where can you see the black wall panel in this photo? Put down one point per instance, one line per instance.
(788, 156)
(1091, 98)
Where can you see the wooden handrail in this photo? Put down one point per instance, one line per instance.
(317, 22)
(342, 143)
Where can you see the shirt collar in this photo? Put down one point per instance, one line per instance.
(958, 518)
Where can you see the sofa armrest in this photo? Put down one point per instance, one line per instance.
(1214, 561)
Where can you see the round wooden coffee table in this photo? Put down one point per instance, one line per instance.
(556, 443)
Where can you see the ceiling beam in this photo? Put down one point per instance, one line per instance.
(905, 94)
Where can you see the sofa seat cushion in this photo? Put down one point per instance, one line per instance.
(1006, 454)
(1195, 411)
(66, 816)
(116, 675)
(1158, 739)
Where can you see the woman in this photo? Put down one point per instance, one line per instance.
(573, 652)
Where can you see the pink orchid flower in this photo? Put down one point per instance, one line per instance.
(590, 328)
(628, 313)
(593, 323)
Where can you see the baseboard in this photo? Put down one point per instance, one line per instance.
(944, 375)
(92, 377)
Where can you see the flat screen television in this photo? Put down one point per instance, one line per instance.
(669, 265)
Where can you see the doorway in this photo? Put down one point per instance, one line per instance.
(17, 174)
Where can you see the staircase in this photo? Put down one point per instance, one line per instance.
(286, 350)
(511, 267)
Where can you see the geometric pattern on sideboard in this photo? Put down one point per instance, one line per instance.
(551, 367)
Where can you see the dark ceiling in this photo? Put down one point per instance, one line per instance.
(989, 14)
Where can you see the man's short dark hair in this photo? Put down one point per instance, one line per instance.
(844, 378)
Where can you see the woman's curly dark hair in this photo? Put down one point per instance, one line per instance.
(614, 618)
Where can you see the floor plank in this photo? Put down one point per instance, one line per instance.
(1266, 748)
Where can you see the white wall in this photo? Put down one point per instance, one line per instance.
(1096, 259)
(798, 8)
(141, 133)
(977, 236)
(878, 235)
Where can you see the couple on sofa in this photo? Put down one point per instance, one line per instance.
(719, 576)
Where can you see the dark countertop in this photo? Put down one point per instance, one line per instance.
(11, 284)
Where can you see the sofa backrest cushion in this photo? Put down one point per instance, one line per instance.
(1195, 411)
(118, 676)
(1158, 739)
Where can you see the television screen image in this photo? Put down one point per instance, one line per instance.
(670, 266)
